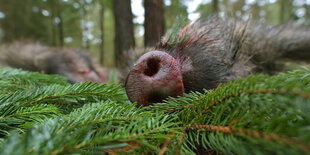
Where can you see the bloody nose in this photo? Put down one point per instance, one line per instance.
(154, 77)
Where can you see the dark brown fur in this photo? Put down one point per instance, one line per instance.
(218, 50)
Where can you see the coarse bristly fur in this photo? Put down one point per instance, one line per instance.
(214, 51)
(217, 50)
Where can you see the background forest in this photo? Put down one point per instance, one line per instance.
(109, 27)
(49, 114)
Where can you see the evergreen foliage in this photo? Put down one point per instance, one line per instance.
(42, 114)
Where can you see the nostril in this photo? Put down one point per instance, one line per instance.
(152, 66)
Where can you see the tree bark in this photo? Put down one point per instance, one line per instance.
(84, 25)
(307, 8)
(154, 24)
(282, 10)
(215, 6)
(60, 24)
(101, 25)
(285, 10)
(124, 35)
(53, 28)
(61, 32)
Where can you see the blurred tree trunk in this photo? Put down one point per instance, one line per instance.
(307, 8)
(282, 10)
(60, 24)
(101, 25)
(124, 35)
(154, 24)
(61, 31)
(215, 6)
(286, 8)
(84, 24)
(52, 7)
(227, 6)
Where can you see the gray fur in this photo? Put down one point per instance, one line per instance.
(37, 57)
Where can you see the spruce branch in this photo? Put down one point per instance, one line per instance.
(257, 115)
(37, 99)
(93, 134)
